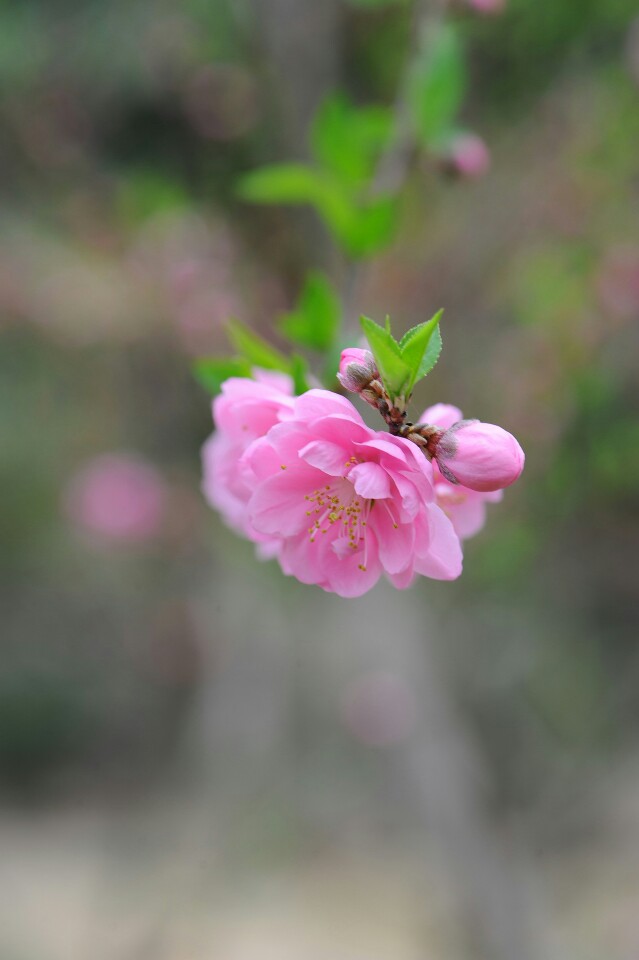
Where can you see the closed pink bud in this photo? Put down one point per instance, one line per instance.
(469, 156)
(487, 6)
(480, 456)
(356, 369)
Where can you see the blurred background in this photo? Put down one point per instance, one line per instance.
(199, 758)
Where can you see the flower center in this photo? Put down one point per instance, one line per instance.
(337, 505)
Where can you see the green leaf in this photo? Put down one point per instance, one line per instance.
(299, 373)
(431, 356)
(394, 370)
(437, 84)
(297, 184)
(348, 140)
(414, 347)
(371, 228)
(258, 352)
(281, 183)
(211, 372)
(315, 321)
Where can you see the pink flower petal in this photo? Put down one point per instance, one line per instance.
(383, 445)
(465, 509)
(370, 481)
(326, 456)
(443, 560)
(278, 505)
(323, 403)
(355, 574)
(442, 415)
(396, 540)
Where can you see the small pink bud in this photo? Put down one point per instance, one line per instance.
(468, 156)
(480, 456)
(487, 6)
(356, 369)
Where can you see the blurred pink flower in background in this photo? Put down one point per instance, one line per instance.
(378, 709)
(117, 497)
(618, 283)
(487, 6)
(468, 156)
(188, 264)
(466, 508)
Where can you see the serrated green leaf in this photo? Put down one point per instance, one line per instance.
(211, 372)
(315, 321)
(258, 352)
(393, 369)
(437, 84)
(414, 347)
(431, 356)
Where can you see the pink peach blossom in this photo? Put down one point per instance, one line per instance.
(346, 502)
(468, 156)
(466, 508)
(244, 411)
(117, 497)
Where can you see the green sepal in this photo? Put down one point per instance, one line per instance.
(211, 372)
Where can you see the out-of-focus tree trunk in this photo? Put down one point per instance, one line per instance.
(301, 41)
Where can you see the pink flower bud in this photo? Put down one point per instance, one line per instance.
(356, 369)
(468, 156)
(487, 6)
(480, 456)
